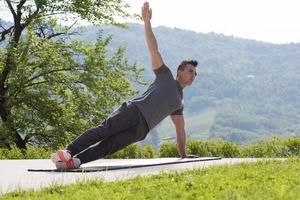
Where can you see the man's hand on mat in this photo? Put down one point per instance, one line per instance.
(190, 156)
(146, 12)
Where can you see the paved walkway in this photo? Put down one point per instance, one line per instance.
(14, 174)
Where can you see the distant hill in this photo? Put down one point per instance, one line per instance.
(246, 90)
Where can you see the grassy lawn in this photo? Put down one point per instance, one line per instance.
(262, 180)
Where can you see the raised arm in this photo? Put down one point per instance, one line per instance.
(156, 58)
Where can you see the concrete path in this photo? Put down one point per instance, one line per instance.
(14, 174)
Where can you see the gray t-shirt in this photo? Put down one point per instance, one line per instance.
(162, 98)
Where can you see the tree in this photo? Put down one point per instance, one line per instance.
(52, 88)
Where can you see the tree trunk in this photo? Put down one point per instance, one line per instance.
(5, 111)
(18, 140)
(10, 64)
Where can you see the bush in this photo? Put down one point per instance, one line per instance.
(168, 149)
(199, 148)
(131, 151)
(253, 151)
(273, 148)
(13, 153)
(220, 148)
(148, 151)
(30, 152)
(293, 146)
(37, 153)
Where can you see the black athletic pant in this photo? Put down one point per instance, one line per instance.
(125, 126)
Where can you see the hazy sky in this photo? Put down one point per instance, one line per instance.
(276, 21)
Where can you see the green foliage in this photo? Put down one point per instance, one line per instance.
(262, 180)
(273, 148)
(148, 151)
(217, 148)
(168, 149)
(134, 151)
(131, 151)
(97, 12)
(197, 147)
(30, 152)
(13, 153)
(293, 146)
(62, 88)
(53, 88)
(224, 149)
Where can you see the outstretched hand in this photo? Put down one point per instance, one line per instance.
(146, 12)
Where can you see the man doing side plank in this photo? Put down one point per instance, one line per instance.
(133, 119)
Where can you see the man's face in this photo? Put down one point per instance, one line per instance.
(188, 75)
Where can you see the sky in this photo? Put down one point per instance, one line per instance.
(275, 21)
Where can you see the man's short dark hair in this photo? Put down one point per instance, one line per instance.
(185, 62)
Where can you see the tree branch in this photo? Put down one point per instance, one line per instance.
(20, 5)
(64, 33)
(45, 73)
(51, 14)
(58, 34)
(30, 18)
(5, 32)
(11, 8)
(36, 83)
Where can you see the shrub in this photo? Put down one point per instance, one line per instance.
(14, 153)
(131, 151)
(168, 149)
(30, 152)
(293, 146)
(3, 154)
(37, 152)
(274, 148)
(255, 150)
(199, 148)
(271, 148)
(148, 151)
(220, 148)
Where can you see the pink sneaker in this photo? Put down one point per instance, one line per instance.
(60, 156)
(73, 163)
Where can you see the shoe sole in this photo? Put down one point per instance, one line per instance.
(67, 165)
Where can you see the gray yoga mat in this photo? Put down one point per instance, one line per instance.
(146, 163)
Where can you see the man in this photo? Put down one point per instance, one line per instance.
(132, 121)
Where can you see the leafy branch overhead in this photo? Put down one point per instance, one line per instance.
(25, 12)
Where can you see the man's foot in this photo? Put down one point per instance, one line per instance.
(61, 156)
(73, 163)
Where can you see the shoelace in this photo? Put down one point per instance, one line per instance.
(70, 164)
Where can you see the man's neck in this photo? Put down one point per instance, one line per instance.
(182, 85)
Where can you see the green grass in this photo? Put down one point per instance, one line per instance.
(261, 180)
